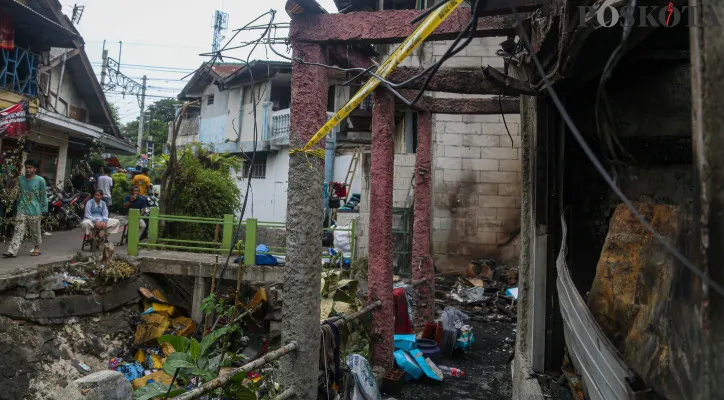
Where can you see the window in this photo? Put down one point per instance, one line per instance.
(258, 170)
(209, 99)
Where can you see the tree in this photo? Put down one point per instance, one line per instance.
(114, 114)
(156, 124)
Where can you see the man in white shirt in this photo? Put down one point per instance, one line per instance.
(105, 185)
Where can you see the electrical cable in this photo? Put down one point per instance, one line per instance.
(602, 171)
(243, 208)
(609, 139)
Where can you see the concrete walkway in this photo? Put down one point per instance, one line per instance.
(58, 248)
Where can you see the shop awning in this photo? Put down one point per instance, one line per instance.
(82, 130)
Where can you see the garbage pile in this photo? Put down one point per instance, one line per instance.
(166, 340)
(487, 292)
(159, 320)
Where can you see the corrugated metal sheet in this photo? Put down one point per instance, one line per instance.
(604, 373)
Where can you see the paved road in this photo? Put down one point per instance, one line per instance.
(59, 247)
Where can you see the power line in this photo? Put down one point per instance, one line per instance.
(159, 68)
(147, 95)
(167, 45)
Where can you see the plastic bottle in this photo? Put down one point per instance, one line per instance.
(449, 371)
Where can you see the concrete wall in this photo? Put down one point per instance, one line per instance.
(262, 96)
(68, 93)
(476, 173)
(268, 198)
(212, 126)
(476, 188)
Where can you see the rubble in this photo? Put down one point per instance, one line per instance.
(102, 385)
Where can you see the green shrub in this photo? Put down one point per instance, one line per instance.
(121, 187)
(204, 187)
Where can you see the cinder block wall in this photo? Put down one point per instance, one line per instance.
(476, 173)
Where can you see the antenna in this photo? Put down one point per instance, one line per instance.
(77, 14)
(221, 22)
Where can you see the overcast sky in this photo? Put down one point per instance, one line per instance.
(163, 38)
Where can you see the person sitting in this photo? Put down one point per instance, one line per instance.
(96, 216)
(136, 201)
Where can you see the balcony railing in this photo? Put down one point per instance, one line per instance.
(19, 71)
(281, 124)
(281, 128)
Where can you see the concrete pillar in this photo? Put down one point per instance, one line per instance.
(380, 246)
(302, 274)
(198, 297)
(422, 265)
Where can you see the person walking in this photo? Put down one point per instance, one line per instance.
(32, 203)
(105, 185)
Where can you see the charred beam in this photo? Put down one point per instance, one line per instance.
(511, 84)
(389, 26)
(464, 106)
(445, 80)
(453, 81)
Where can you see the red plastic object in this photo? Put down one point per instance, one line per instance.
(438, 334)
(402, 316)
(429, 331)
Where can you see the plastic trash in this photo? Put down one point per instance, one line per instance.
(451, 371)
(366, 386)
(512, 292)
(405, 342)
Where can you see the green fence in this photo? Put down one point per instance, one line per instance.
(225, 227)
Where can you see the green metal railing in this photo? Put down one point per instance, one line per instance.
(228, 222)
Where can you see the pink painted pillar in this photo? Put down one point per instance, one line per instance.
(422, 265)
(380, 246)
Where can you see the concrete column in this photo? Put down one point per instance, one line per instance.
(302, 274)
(422, 265)
(198, 297)
(380, 247)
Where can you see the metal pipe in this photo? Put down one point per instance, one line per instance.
(225, 379)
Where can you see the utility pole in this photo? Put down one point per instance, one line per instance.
(104, 67)
(140, 118)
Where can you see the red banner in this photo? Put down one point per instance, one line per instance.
(14, 120)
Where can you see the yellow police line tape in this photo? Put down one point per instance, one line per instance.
(420, 33)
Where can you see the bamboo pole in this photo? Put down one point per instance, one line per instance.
(355, 315)
(225, 379)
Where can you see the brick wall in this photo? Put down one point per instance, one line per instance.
(476, 189)
(476, 173)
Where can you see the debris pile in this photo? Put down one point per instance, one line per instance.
(487, 293)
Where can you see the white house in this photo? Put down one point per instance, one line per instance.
(224, 94)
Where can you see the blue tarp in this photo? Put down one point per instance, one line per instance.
(262, 259)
